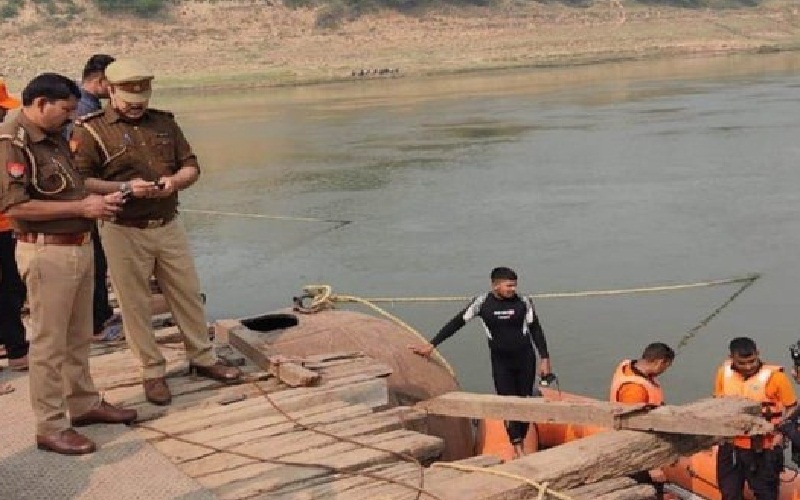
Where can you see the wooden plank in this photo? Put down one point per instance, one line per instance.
(333, 486)
(333, 356)
(318, 460)
(403, 479)
(279, 433)
(222, 328)
(221, 434)
(217, 462)
(208, 411)
(356, 427)
(292, 374)
(251, 480)
(592, 459)
(356, 389)
(205, 393)
(638, 492)
(179, 386)
(363, 366)
(600, 413)
(237, 433)
(592, 491)
(410, 479)
(212, 436)
(220, 419)
(211, 464)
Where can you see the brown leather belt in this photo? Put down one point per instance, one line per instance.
(74, 239)
(145, 223)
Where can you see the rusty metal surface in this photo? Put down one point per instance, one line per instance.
(413, 379)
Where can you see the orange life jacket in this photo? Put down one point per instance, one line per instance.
(655, 395)
(755, 388)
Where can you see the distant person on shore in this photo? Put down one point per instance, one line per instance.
(755, 460)
(142, 151)
(94, 86)
(512, 328)
(634, 381)
(52, 214)
(12, 289)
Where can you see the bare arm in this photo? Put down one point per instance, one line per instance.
(92, 207)
(185, 177)
(39, 210)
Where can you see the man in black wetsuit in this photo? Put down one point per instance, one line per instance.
(512, 328)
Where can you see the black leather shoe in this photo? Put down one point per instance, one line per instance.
(67, 442)
(218, 371)
(105, 414)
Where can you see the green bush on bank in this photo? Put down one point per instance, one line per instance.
(10, 8)
(143, 8)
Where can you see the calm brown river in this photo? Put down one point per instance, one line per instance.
(614, 176)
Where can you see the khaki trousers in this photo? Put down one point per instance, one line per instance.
(60, 281)
(133, 256)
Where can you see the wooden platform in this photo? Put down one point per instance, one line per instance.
(263, 439)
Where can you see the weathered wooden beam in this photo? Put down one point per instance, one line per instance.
(589, 460)
(638, 492)
(292, 374)
(600, 413)
(594, 490)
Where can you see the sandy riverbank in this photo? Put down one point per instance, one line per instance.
(252, 43)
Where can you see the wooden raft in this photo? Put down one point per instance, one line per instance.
(233, 441)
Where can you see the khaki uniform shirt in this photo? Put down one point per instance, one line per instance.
(111, 148)
(36, 165)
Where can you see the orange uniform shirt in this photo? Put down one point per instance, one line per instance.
(631, 393)
(779, 388)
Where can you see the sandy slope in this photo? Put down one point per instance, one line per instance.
(238, 42)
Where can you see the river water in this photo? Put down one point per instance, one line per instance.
(603, 177)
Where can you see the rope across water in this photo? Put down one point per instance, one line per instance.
(322, 297)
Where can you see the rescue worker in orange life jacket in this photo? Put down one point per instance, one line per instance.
(634, 381)
(790, 427)
(756, 460)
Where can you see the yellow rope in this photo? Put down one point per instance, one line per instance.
(323, 297)
(543, 488)
(584, 293)
(262, 216)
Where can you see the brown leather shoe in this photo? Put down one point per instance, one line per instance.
(218, 371)
(156, 391)
(105, 414)
(67, 442)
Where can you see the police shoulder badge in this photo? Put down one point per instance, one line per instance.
(15, 170)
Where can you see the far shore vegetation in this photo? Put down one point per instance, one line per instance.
(213, 44)
(332, 12)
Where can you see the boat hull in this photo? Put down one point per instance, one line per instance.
(696, 473)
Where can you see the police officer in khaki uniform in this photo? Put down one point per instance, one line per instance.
(52, 214)
(128, 146)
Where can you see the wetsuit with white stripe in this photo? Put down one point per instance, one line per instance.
(513, 329)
